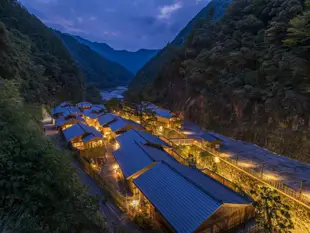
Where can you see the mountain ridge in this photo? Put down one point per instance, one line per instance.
(213, 10)
(131, 60)
(98, 70)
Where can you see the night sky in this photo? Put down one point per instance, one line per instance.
(123, 24)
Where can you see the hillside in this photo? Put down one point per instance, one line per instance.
(98, 71)
(213, 11)
(132, 61)
(245, 75)
(33, 56)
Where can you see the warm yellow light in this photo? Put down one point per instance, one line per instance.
(134, 203)
(225, 155)
(161, 128)
(246, 164)
(270, 176)
(116, 145)
(115, 166)
(139, 122)
(217, 159)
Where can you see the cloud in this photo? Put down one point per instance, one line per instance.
(80, 19)
(123, 24)
(166, 11)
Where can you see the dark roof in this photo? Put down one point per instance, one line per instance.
(163, 113)
(81, 130)
(60, 121)
(214, 188)
(64, 104)
(121, 123)
(141, 137)
(84, 105)
(131, 158)
(106, 119)
(92, 114)
(72, 111)
(182, 204)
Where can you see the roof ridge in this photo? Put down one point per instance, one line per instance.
(144, 151)
(193, 183)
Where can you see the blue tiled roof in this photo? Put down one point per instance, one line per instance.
(142, 137)
(163, 113)
(91, 114)
(121, 123)
(72, 111)
(73, 132)
(106, 119)
(214, 188)
(181, 203)
(131, 158)
(84, 105)
(90, 137)
(64, 104)
(98, 107)
(81, 130)
(208, 137)
(60, 121)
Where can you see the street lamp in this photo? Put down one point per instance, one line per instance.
(216, 159)
(134, 203)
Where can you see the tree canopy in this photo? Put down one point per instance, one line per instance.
(245, 75)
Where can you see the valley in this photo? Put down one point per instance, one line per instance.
(185, 116)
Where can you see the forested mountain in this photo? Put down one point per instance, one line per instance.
(31, 54)
(39, 188)
(97, 70)
(213, 11)
(132, 61)
(245, 75)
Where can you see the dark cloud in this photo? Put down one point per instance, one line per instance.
(123, 24)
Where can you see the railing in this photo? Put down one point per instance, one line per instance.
(297, 196)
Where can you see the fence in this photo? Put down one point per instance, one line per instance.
(118, 198)
(281, 187)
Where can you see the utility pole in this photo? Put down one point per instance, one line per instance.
(301, 187)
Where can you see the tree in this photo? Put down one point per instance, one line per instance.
(37, 179)
(299, 30)
(272, 213)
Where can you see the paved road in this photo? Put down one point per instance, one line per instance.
(114, 216)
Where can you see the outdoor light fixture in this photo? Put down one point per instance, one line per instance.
(115, 166)
(117, 145)
(134, 203)
(217, 159)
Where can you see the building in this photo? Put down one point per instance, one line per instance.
(92, 114)
(120, 125)
(84, 105)
(104, 121)
(182, 198)
(194, 131)
(68, 118)
(114, 125)
(82, 136)
(60, 109)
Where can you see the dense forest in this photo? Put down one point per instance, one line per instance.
(245, 75)
(39, 188)
(97, 70)
(32, 54)
(152, 68)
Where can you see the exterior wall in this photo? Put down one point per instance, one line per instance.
(163, 120)
(226, 218)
